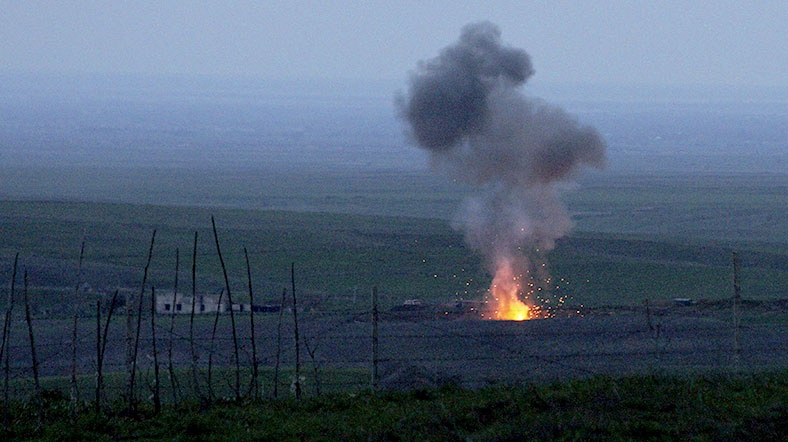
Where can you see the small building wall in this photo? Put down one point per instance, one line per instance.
(182, 305)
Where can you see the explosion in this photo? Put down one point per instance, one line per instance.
(465, 108)
(505, 293)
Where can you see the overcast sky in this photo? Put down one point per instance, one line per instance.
(601, 41)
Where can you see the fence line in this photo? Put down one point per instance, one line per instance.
(420, 351)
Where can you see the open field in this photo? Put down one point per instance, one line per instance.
(635, 241)
(738, 209)
(722, 208)
(647, 341)
(636, 238)
(339, 258)
(605, 277)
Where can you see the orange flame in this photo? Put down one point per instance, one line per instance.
(505, 303)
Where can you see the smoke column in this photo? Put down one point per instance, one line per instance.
(466, 109)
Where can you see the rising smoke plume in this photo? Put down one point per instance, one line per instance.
(466, 109)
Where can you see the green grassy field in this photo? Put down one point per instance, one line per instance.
(342, 256)
(635, 238)
(742, 210)
(737, 208)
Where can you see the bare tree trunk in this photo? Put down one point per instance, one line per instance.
(295, 333)
(192, 349)
(279, 342)
(255, 368)
(77, 301)
(156, 380)
(236, 359)
(36, 383)
(6, 346)
(170, 365)
(133, 336)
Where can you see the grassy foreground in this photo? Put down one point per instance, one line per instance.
(747, 407)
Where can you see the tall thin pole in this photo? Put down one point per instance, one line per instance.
(77, 302)
(97, 404)
(279, 342)
(173, 312)
(102, 350)
(36, 383)
(255, 369)
(6, 346)
(133, 333)
(736, 306)
(192, 349)
(232, 315)
(375, 358)
(295, 333)
(211, 348)
(156, 378)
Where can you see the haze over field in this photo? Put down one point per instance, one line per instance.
(188, 122)
(95, 90)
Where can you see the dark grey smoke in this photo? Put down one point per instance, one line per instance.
(465, 107)
(448, 98)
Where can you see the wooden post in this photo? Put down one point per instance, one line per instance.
(133, 333)
(279, 342)
(736, 313)
(375, 355)
(97, 405)
(173, 312)
(213, 342)
(232, 315)
(156, 380)
(6, 347)
(648, 315)
(102, 349)
(311, 350)
(74, 391)
(295, 332)
(255, 368)
(192, 349)
(36, 383)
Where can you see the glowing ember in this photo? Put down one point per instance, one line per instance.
(505, 303)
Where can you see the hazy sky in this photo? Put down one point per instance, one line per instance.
(601, 41)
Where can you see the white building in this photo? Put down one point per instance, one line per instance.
(182, 305)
